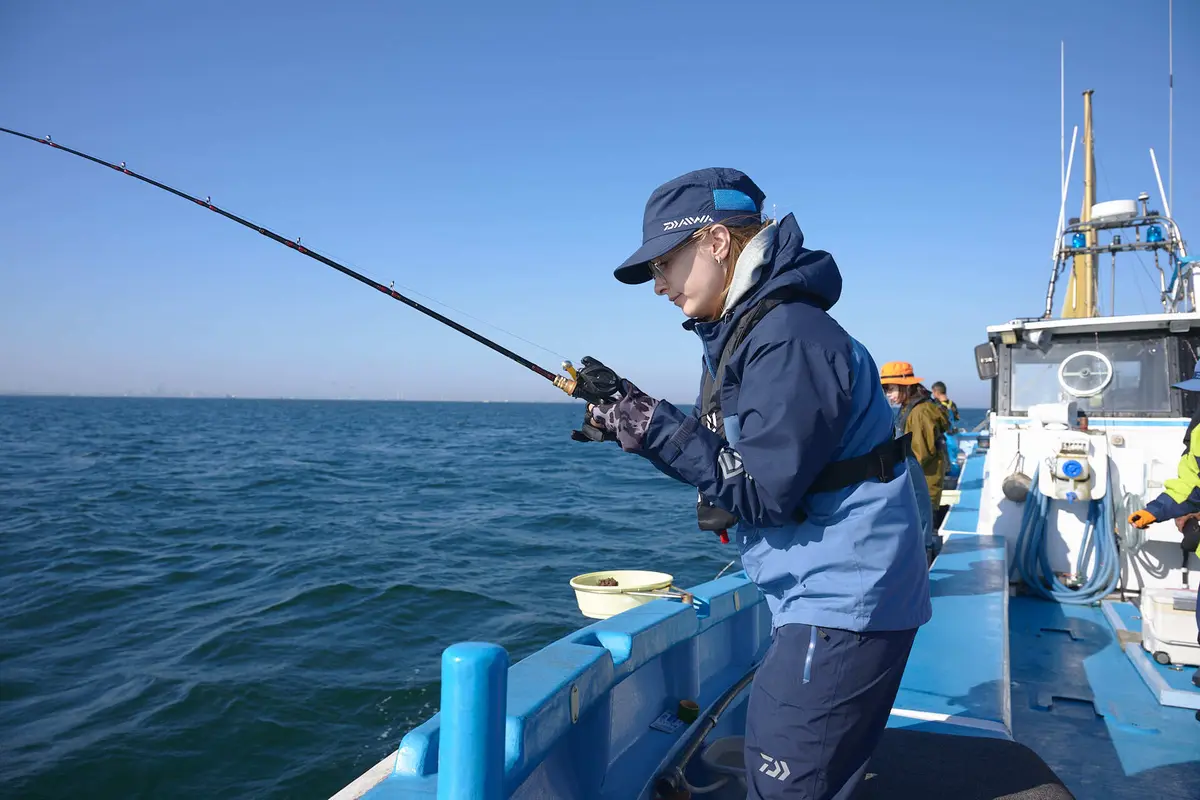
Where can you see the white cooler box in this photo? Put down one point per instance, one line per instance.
(1169, 626)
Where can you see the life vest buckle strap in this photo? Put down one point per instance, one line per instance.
(879, 464)
(886, 470)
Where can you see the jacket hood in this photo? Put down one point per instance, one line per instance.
(774, 261)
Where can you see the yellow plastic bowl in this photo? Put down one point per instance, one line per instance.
(602, 602)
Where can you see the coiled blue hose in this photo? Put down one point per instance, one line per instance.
(1099, 545)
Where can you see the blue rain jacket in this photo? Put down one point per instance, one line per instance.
(798, 393)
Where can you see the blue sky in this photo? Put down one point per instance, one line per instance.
(497, 157)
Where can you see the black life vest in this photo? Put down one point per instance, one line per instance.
(878, 464)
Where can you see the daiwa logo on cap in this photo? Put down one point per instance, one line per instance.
(687, 204)
(679, 223)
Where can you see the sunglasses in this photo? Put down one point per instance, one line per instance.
(658, 266)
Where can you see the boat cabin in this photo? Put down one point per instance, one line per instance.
(1112, 367)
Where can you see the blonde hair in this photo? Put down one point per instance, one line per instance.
(739, 237)
(741, 231)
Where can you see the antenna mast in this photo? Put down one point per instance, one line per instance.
(1170, 103)
(1081, 285)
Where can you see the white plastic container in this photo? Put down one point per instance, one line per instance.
(726, 757)
(634, 587)
(1168, 632)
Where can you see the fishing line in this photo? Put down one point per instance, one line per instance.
(407, 289)
(567, 385)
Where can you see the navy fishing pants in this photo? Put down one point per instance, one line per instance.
(818, 707)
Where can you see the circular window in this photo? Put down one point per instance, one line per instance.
(1085, 373)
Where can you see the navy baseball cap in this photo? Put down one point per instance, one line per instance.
(1192, 384)
(682, 206)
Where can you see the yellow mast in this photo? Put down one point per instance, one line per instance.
(1080, 300)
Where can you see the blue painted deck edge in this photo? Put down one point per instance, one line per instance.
(554, 687)
(957, 678)
(963, 516)
(1126, 622)
(1162, 691)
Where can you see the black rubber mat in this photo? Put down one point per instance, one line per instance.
(914, 764)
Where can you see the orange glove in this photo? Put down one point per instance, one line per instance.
(1141, 519)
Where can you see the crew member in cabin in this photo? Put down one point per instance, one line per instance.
(939, 394)
(1180, 497)
(791, 448)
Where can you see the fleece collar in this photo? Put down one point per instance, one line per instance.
(749, 266)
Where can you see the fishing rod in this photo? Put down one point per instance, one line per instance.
(596, 386)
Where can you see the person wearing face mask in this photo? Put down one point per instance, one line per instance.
(791, 447)
(919, 415)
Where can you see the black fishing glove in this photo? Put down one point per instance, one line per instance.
(617, 410)
(590, 433)
(1191, 535)
(595, 383)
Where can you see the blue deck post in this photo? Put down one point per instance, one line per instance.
(471, 745)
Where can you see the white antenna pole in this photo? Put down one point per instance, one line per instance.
(1062, 114)
(1158, 177)
(1178, 239)
(1170, 101)
(1062, 208)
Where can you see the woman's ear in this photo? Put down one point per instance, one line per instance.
(720, 241)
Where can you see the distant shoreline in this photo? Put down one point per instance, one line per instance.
(269, 398)
(564, 401)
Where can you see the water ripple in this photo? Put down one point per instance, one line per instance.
(218, 598)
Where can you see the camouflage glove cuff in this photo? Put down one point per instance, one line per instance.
(627, 418)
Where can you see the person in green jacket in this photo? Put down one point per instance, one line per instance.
(917, 413)
(1180, 497)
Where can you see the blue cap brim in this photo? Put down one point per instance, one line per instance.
(636, 268)
(1190, 385)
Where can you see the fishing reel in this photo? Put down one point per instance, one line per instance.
(596, 384)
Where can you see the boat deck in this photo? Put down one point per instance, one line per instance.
(1078, 700)
(956, 680)
(1081, 693)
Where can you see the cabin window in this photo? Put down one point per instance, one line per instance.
(1103, 376)
(1189, 346)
